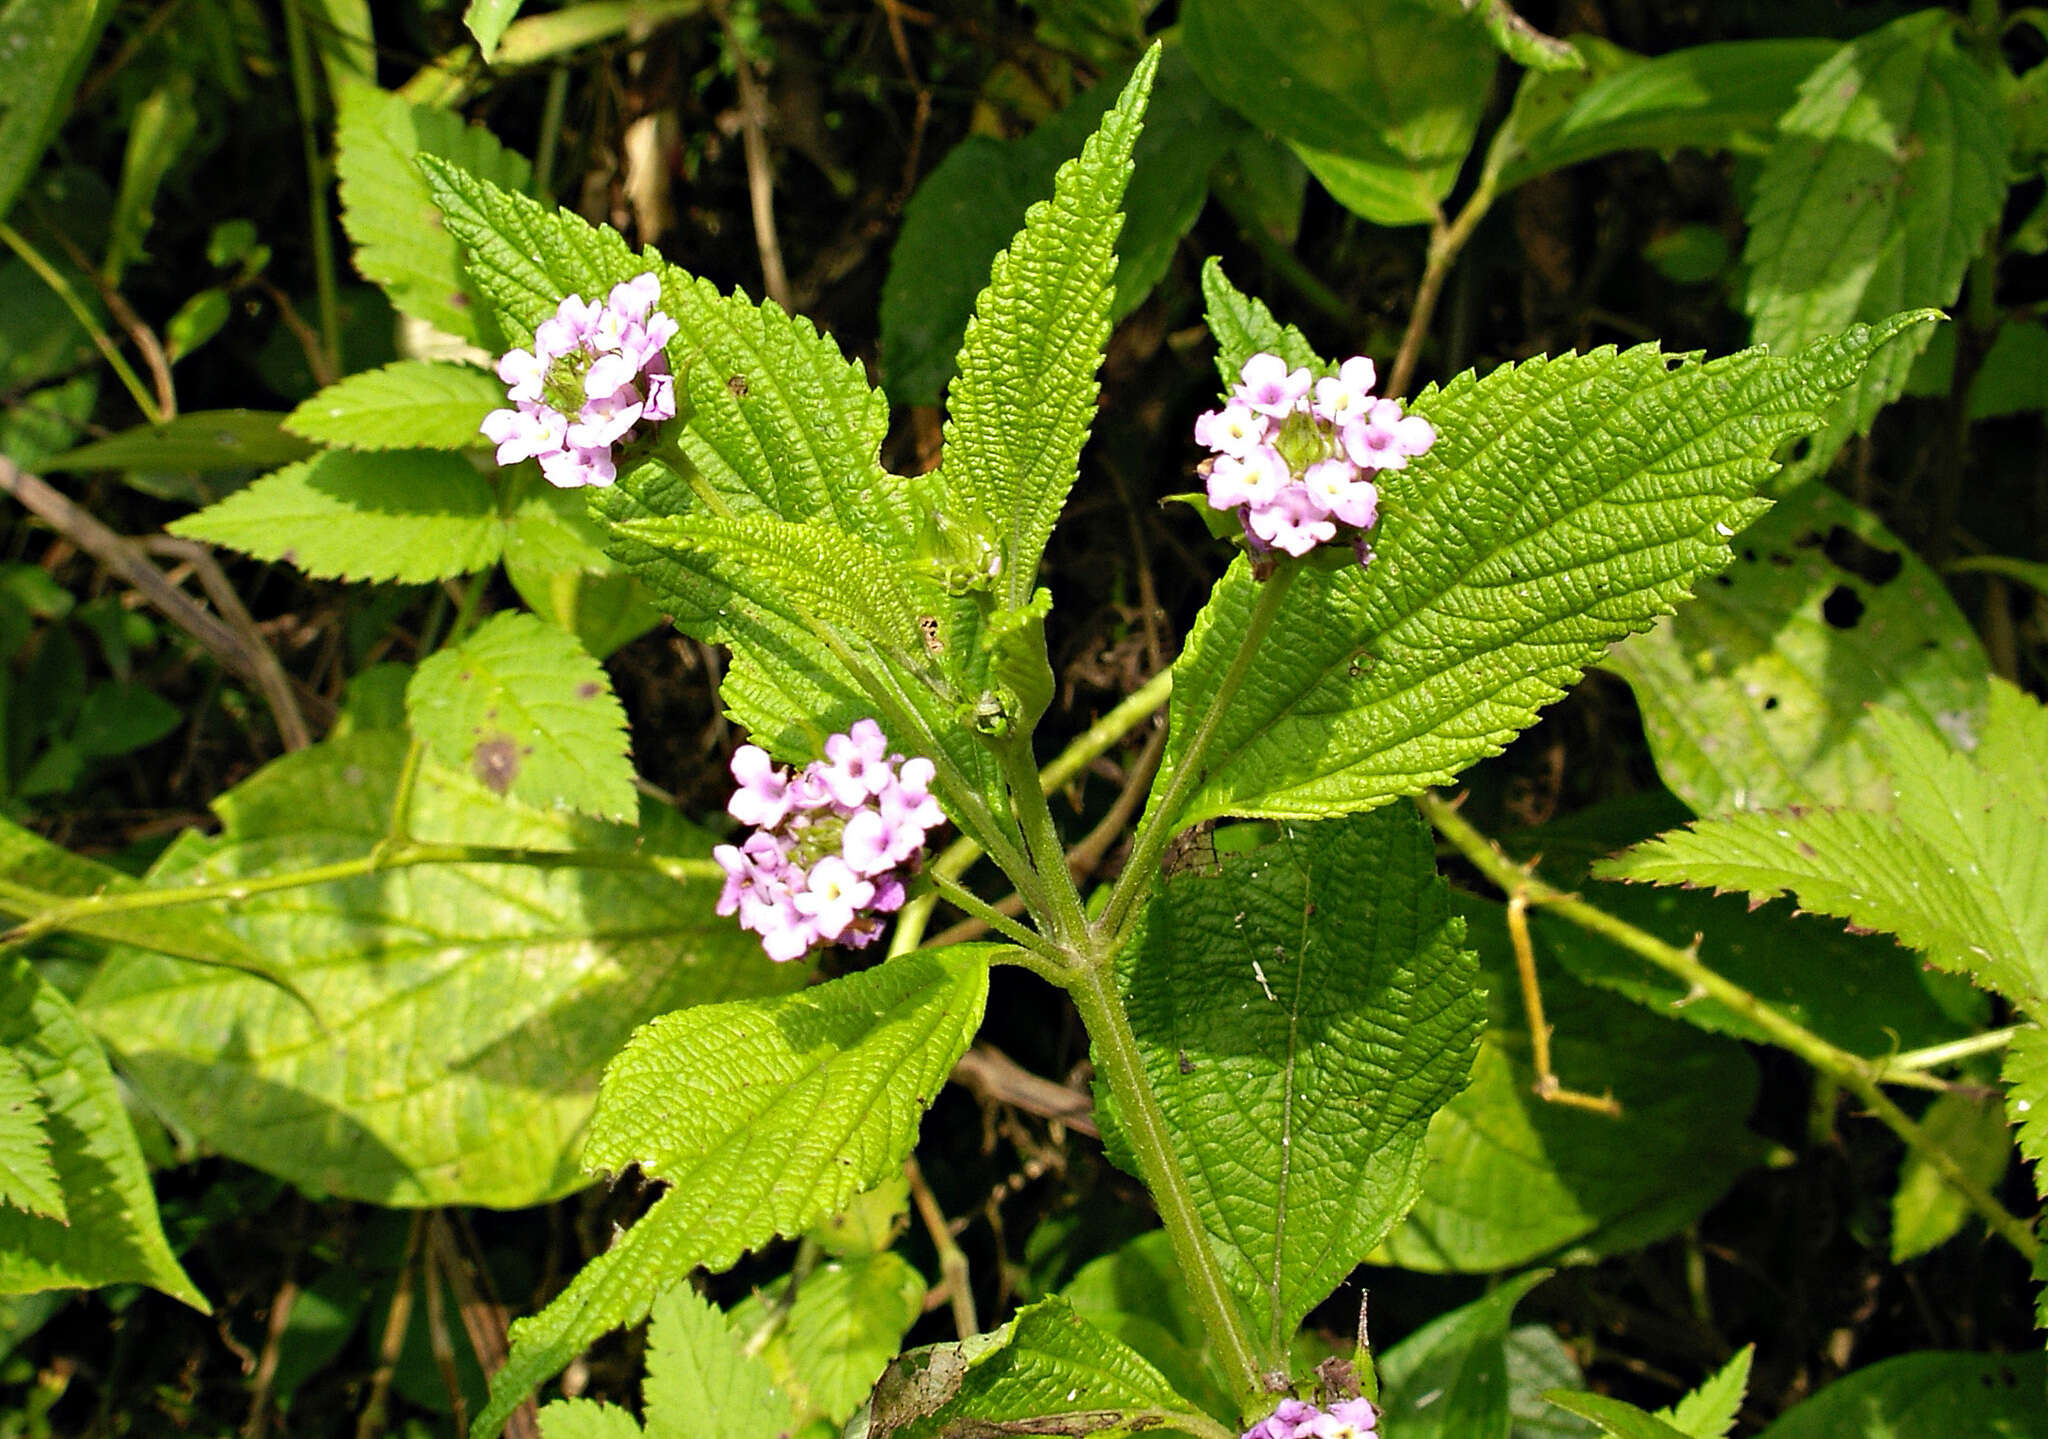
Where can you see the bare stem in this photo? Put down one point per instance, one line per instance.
(1446, 242)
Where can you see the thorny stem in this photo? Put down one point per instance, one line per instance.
(46, 913)
(1862, 1077)
(1159, 826)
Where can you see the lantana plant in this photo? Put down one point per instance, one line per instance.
(1271, 1029)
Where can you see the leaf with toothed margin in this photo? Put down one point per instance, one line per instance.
(764, 1116)
(106, 1230)
(523, 707)
(28, 1180)
(1020, 407)
(1302, 1013)
(1567, 502)
(1958, 869)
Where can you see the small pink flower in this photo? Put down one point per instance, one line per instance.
(1337, 490)
(1235, 429)
(1291, 522)
(1346, 394)
(763, 797)
(831, 895)
(1253, 479)
(1386, 439)
(1268, 386)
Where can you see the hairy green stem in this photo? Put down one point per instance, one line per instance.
(1066, 920)
(971, 903)
(1159, 826)
(1145, 1130)
(959, 856)
(307, 95)
(1860, 1076)
(101, 340)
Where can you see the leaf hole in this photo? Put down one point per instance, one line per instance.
(1770, 702)
(1842, 608)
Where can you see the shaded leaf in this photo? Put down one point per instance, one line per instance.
(461, 1013)
(1766, 689)
(406, 515)
(1884, 182)
(1929, 1395)
(47, 44)
(1449, 1380)
(555, 559)
(200, 440)
(1926, 1211)
(523, 708)
(1511, 1179)
(1614, 1416)
(28, 1180)
(1302, 1013)
(1708, 97)
(1958, 869)
(847, 1323)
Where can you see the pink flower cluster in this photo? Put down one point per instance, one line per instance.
(594, 372)
(833, 844)
(1294, 456)
(1298, 1419)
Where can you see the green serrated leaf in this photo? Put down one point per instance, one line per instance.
(765, 1116)
(701, 1382)
(1048, 1372)
(388, 212)
(1302, 1013)
(847, 1323)
(1614, 1416)
(523, 708)
(198, 440)
(109, 1232)
(410, 516)
(586, 1419)
(1926, 1211)
(1566, 503)
(1764, 691)
(28, 1180)
(1929, 1395)
(1512, 1179)
(1448, 1380)
(1242, 326)
(1707, 97)
(1884, 183)
(1137, 1295)
(410, 405)
(966, 210)
(1958, 869)
(1709, 1411)
(2026, 1098)
(1020, 407)
(460, 1013)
